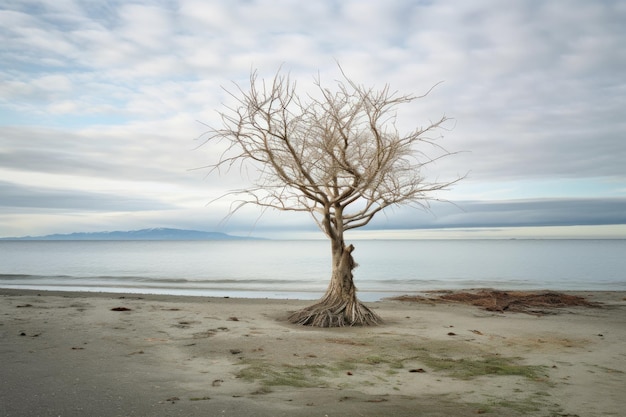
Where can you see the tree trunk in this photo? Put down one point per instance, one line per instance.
(339, 306)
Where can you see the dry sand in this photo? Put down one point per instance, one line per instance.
(71, 354)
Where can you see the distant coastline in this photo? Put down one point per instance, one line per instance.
(159, 233)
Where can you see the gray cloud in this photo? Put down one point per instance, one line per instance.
(541, 212)
(27, 199)
(100, 153)
(461, 214)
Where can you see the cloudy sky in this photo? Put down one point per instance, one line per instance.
(101, 104)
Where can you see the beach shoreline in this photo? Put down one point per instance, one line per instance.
(111, 354)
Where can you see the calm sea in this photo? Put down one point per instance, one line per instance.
(301, 269)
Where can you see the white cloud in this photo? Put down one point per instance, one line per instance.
(110, 91)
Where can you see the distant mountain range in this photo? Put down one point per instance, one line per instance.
(143, 234)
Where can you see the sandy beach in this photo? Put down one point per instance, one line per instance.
(92, 354)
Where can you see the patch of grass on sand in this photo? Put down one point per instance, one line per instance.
(461, 361)
(533, 404)
(393, 363)
(467, 368)
(321, 375)
(302, 376)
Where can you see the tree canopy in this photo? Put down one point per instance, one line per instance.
(335, 153)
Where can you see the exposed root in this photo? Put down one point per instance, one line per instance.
(339, 307)
(324, 314)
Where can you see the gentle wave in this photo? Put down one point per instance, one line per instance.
(301, 269)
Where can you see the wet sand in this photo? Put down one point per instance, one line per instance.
(79, 354)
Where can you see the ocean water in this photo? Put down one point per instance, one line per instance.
(301, 269)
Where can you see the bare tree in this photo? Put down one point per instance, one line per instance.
(337, 155)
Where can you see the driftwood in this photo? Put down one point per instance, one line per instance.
(507, 301)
